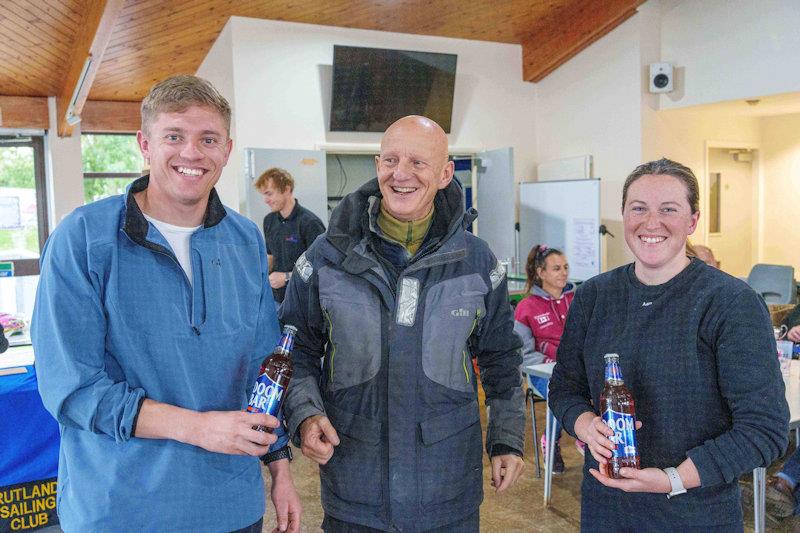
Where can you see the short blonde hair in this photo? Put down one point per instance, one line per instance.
(177, 93)
(281, 179)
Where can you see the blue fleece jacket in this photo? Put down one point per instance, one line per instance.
(116, 321)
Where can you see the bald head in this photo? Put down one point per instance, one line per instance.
(412, 167)
(421, 128)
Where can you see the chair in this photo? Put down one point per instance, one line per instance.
(531, 398)
(775, 283)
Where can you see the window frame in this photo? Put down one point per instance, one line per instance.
(30, 267)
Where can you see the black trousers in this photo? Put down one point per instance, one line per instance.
(470, 524)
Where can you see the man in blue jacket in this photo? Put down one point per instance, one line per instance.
(152, 314)
(397, 297)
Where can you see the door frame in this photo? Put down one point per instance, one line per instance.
(757, 231)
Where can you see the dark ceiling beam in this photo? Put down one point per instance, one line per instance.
(98, 116)
(24, 112)
(111, 117)
(559, 37)
(87, 53)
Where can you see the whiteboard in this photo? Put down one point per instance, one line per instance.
(563, 215)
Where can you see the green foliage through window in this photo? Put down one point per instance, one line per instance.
(109, 154)
(16, 167)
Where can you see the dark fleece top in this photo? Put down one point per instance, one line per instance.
(698, 354)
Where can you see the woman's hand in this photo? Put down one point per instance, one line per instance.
(646, 480)
(591, 429)
(794, 334)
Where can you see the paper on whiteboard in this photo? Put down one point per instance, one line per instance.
(584, 245)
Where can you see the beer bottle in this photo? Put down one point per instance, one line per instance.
(273, 378)
(619, 413)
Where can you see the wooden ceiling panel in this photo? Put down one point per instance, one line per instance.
(36, 39)
(152, 39)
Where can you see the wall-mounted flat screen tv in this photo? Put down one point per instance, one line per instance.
(373, 87)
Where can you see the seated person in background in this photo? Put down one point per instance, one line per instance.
(3, 341)
(539, 320)
(792, 323)
(780, 496)
(705, 255)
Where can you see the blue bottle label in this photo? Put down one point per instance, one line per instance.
(624, 427)
(266, 397)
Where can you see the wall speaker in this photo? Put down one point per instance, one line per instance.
(660, 78)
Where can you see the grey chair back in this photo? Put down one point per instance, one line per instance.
(775, 283)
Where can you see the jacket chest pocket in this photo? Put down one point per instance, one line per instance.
(453, 311)
(352, 316)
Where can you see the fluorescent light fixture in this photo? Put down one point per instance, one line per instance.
(71, 117)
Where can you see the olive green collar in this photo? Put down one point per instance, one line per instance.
(409, 234)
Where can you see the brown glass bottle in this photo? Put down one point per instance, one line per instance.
(618, 411)
(273, 378)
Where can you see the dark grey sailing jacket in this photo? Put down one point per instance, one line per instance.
(397, 380)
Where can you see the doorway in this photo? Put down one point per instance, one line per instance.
(732, 207)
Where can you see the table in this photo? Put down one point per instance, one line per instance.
(29, 440)
(760, 474)
(545, 370)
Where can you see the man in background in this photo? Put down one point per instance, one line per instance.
(397, 298)
(705, 255)
(152, 315)
(289, 229)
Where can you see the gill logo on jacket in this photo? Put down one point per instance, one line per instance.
(460, 312)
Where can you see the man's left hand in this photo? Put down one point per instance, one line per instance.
(652, 480)
(277, 280)
(284, 497)
(506, 469)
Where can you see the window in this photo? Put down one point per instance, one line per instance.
(23, 204)
(110, 163)
(714, 192)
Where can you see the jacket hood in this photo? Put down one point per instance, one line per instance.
(356, 213)
(541, 293)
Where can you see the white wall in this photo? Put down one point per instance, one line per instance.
(64, 169)
(592, 105)
(731, 49)
(217, 67)
(281, 82)
(598, 103)
(781, 170)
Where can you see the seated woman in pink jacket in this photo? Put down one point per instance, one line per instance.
(539, 319)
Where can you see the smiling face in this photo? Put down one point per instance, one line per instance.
(658, 219)
(554, 274)
(187, 151)
(412, 167)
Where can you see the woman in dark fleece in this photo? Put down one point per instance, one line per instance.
(697, 352)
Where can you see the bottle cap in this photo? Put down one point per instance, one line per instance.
(611, 357)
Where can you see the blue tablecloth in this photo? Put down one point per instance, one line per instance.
(29, 437)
